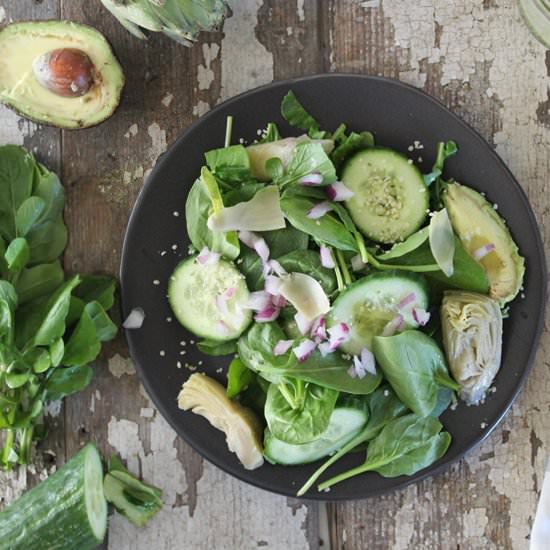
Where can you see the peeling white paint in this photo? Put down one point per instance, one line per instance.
(2, 14)
(158, 141)
(119, 366)
(14, 129)
(201, 108)
(300, 10)
(123, 436)
(245, 61)
(205, 74)
(132, 131)
(147, 412)
(167, 99)
(474, 522)
(53, 408)
(12, 485)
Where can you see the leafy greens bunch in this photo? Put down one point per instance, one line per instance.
(51, 327)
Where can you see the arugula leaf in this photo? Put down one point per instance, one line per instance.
(351, 144)
(415, 367)
(231, 164)
(309, 157)
(68, 380)
(297, 412)
(434, 180)
(271, 133)
(35, 282)
(215, 348)
(296, 115)
(239, 377)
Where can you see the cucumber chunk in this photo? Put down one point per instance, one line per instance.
(345, 423)
(390, 197)
(66, 511)
(369, 304)
(195, 292)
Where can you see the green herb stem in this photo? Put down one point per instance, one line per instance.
(345, 475)
(228, 130)
(343, 267)
(339, 279)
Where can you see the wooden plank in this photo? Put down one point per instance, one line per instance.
(168, 86)
(45, 143)
(463, 53)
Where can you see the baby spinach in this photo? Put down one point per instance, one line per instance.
(328, 229)
(35, 282)
(256, 351)
(271, 133)
(242, 193)
(349, 145)
(216, 348)
(308, 157)
(415, 367)
(239, 376)
(383, 406)
(17, 255)
(68, 380)
(298, 412)
(198, 208)
(296, 115)
(404, 446)
(230, 164)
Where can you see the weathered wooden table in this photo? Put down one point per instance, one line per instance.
(474, 55)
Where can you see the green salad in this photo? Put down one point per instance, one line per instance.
(357, 296)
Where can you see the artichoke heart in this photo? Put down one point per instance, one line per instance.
(472, 337)
(205, 396)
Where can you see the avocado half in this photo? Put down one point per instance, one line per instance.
(22, 43)
(477, 224)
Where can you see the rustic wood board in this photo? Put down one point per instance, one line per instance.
(478, 58)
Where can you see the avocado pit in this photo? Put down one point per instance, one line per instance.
(67, 72)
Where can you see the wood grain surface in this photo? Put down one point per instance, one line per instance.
(474, 55)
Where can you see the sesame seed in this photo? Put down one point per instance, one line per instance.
(163, 253)
(174, 247)
(162, 353)
(178, 364)
(419, 159)
(200, 363)
(483, 425)
(219, 370)
(192, 341)
(183, 352)
(168, 319)
(386, 393)
(259, 132)
(410, 161)
(495, 206)
(175, 213)
(410, 148)
(156, 282)
(183, 343)
(522, 295)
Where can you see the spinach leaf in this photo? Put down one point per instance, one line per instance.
(198, 208)
(415, 367)
(47, 241)
(35, 282)
(350, 145)
(444, 399)
(41, 324)
(28, 214)
(216, 348)
(298, 412)
(47, 187)
(39, 359)
(105, 328)
(405, 446)
(57, 350)
(309, 262)
(68, 380)
(230, 164)
(327, 230)
(8, 293)
(16, 180)
(243, 193)
(467, 275)
(296, 115)
(256, 352)
(17, 254)
(384, 406)
(98, 288)
(309, 157)
(239, 377)
(83, 345)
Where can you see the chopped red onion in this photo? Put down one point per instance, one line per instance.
(279, 301)
(319, 210)
(311, 179)
(393, 326)
(272, 285)
(135, 319)
(327, 260)
(338, 335)
(258, 301)
(421, 316)
(304, 349)
(262, 249)
(407, 300)
(206, 257)
(304, 325)
(318, 329)
(483, 251)
(267, 315)
(277, 268)
(325, 348)
(367, 361)
(282, 346)
(352, 371)
(248, 238)
(357, 263)
(338, 192)
(229, 293)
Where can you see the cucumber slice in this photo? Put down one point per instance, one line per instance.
(369, 304)
(390, 197)
(344, 424)
(194, 290)
(66, 511)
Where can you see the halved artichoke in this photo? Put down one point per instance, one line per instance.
(205, 396)
(472, 337)
(181, 20)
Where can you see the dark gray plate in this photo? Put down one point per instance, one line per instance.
(398, 115)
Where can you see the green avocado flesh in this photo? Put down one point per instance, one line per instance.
(22, 43)
(390, 197)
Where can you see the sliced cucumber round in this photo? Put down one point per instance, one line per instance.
(390, 197)
(369, 304)
(210, 300)
(344, 424)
